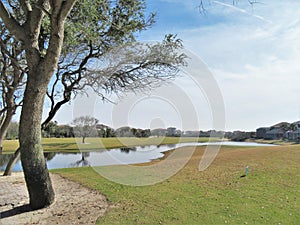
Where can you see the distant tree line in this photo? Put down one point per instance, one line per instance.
(53, 129)
(58, 131)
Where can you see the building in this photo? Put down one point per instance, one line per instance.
(171, 131)
(294, 132)
(261, 132)
(275, 134)
(293, 135)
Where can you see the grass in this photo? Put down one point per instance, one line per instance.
(92, 144)
(270, 194)
(275, 142)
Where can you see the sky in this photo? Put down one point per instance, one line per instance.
(245, 73)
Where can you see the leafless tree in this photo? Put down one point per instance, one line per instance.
(12, 79)
(58, 32)
(85, 126)
(203, 4)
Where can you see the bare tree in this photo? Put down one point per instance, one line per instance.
(63, 38)
(203, 4)
(132, 67)
(26, 27)
(85, 126)
(12, 79)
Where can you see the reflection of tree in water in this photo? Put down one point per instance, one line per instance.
(4, 158)
(83, 161)
(49, 155)
(127, 149)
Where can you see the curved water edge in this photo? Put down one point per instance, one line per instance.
(117, 156)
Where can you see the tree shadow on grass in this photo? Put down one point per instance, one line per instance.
(15, 211)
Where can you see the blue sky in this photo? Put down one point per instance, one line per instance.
(252, 52)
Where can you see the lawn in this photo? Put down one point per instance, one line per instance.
(92, 144)
(270, 194)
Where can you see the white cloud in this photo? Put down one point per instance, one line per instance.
(255, 62)
(262, 96)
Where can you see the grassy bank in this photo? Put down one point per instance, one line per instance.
(73, 145)
(275, 142)
(270, 194)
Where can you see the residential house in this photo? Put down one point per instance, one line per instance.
(261, 132)
(294, 132)
(293, 135)
(171, 131)
(275, 134)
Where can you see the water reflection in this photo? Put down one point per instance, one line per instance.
(126, 155)
(128, 149)
(49, 155)
(83, 161)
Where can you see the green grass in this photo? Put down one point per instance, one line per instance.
(74, 144)
(270, 194)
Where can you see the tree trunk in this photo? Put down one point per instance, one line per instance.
(7, 118)
(1, 140)
(3, 128)
(37, 177)
(40, 70)
(83, 140)
(11, 163)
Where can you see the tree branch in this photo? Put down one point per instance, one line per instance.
(26, 7)
(12, 25)
(66, 8)
(53, 111)
(60, 10)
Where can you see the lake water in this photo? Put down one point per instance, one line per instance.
(139, 154)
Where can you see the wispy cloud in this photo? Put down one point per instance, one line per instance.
(233, 7)
(255, 59)
(254, 56)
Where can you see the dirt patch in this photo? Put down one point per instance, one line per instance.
(74, 203)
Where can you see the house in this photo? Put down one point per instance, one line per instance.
(171, 131)
(293, 135)
(294, 132)
(290, 131)
(275, 134)
(295, 126)
(261, 132)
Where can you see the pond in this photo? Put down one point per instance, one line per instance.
(139, 154)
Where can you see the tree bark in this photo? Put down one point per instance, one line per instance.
(37, 177)
(40, 70)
